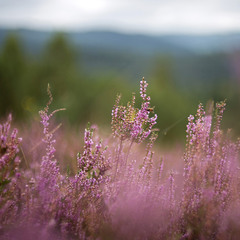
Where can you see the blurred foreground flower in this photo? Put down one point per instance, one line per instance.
(115, 193)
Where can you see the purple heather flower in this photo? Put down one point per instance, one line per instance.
(132, 123)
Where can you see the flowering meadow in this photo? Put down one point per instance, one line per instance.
(118, 187)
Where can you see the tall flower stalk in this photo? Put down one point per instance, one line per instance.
(50, 177)
(131, 123)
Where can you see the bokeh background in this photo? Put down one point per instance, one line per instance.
(188, 51)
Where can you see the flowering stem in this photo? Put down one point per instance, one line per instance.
(118, 157)
(132, 141)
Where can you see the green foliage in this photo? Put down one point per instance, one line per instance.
(23, 80)
(56, 66)
(170, 103)
(12, 72)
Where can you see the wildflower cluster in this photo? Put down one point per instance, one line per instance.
(9, 147)
(122, 192)
(9, 173)
(209, 173)
(129, 122)
(49, 170)
(82, 199)
(92, 162)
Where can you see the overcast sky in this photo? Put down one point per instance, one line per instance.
(135, 16)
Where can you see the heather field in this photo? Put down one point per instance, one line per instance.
(123, 185)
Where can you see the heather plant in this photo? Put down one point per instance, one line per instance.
(120, 189)
(10, 174)
(81, 208)
(210, 175)
(129, 122)
(132, 124)
(49, 180)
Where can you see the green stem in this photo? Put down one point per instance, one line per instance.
(118, 157)
(126, 160)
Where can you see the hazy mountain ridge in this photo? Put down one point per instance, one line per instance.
(194, 58)
(144, 44)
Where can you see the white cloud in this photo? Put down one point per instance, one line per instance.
(135, 16)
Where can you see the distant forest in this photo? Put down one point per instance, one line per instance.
(87, 70)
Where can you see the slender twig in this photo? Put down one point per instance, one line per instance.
(53, 131)
(127, 155)
(25, 159)
(118, 157)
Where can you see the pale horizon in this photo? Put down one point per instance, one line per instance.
(141, 17)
